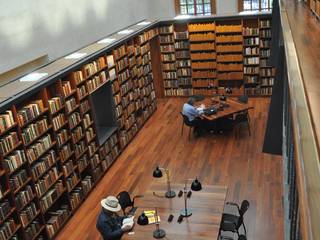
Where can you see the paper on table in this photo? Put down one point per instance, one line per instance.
(150, 215)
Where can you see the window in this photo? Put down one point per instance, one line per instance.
(257, 5)
(195, 7)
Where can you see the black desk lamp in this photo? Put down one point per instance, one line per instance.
(195, 186)
(157, 173)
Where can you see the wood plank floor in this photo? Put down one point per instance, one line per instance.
(234, 160)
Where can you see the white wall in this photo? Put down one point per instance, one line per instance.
(31, 28)
(227, 6)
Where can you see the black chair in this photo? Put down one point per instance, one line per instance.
(242, 118)
(125, 201)
(233, 222)
(185, 121)
(243, 99)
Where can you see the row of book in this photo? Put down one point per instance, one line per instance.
(57, 218)
(8, 143)
(228, 29)
(52, 195)
(183, 63)
(30, 111)
(178, 92)
(229, 39)
(202, 47)
(34, 130)
(23, 197)
(251, 41)
(201, 27)
(181, 35)
(167, 48)
(6, 121)
(179, 45)
(14, 161)
(166, 29)
(248, 31)
(37, 149)
(46, 181)
(251, 61)
(229, 58)
(62, 137)
(229, 67)
(18, 179)
(43, 164)
(55, 104)
(203, 37)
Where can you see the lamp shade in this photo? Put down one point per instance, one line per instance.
(143, 219)
(157, 173)
(196, 185)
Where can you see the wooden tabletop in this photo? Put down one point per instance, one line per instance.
(233, 108)
(206, 205)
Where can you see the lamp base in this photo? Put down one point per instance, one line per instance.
(159, 233)
(170, 194)
(185, 213)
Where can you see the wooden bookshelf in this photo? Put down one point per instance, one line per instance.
(51, 157)
(227, 56)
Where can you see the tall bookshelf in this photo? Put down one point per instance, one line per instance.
(229, 42)
(168, 60)
(203, 57)
(227, 56)
(51, 151)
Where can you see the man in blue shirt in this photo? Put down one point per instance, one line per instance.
(194, 117)
(110, 225)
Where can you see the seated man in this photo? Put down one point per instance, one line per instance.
(194, 116)
(110, 225)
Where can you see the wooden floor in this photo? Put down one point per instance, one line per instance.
(235, 161)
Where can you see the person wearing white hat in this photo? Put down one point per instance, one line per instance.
(110, 225)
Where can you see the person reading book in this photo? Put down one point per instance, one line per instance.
(110, 225)
(194, 116)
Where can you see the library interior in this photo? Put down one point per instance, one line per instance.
(148, 119)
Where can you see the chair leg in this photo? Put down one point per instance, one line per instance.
(182, 129)
(244, 228)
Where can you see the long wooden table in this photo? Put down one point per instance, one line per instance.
(206, 205)
(234, 108)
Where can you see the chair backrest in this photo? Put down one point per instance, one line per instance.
(186, 120)
(242, 237)
(241, 117)
(244, 207)
(125, 200)
(243, 99)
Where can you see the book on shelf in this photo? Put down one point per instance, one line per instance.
(57, 218)
(229, 28)
(120, 52)
(86, 121)
(166, 29)
(110, 61)
(6, 121)
(30, 111)
(65, 152)
(33, 229)
(66, 88)
(8, 228)
(18, 179)
(37, 149)
(8, 143)
(14, 161)
(83, 162)
(46, 181)
(5, 209)
(58, 121)
(82, 91)
(201, 27)
(90, 69)
(27, 214)
(80, 147)
(43, 164)
(51, 196)
(71, 104)
(249, 31)
(202, 37)
(202, 47)
(34, 130)
(72, 181)
(74, 119)
(23, 197)
(77, 134)
(94, 161)
(166, 39)
(84, 106)
(62, 137)
(77, 77)
(55, 104)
